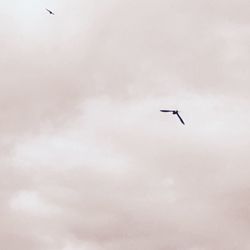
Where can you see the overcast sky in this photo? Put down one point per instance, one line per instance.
(87, 160)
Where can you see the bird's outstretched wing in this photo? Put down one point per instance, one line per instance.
(50, 12)
(164, 110)
(180, 119)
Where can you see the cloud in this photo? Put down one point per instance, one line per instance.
(89, 162)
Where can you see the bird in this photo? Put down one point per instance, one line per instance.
(174, 112)
(50, 12)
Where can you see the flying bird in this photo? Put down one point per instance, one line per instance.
(50, 12)
(174, 112)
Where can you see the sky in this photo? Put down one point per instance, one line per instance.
(88, 162)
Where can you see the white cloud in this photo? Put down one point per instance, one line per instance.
(30, 202)
(89, 161)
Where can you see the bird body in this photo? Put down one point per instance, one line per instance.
(174, 112)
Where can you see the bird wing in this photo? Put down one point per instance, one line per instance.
(180, 119)
(50, 12)
(164, 110)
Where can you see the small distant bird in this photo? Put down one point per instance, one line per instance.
(174, 112)
(50, 12)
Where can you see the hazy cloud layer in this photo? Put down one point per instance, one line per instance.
(87, 160)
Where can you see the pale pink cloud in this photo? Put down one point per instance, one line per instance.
(88, 161)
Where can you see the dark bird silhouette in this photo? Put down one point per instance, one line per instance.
(174, 112)
(50, 12)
